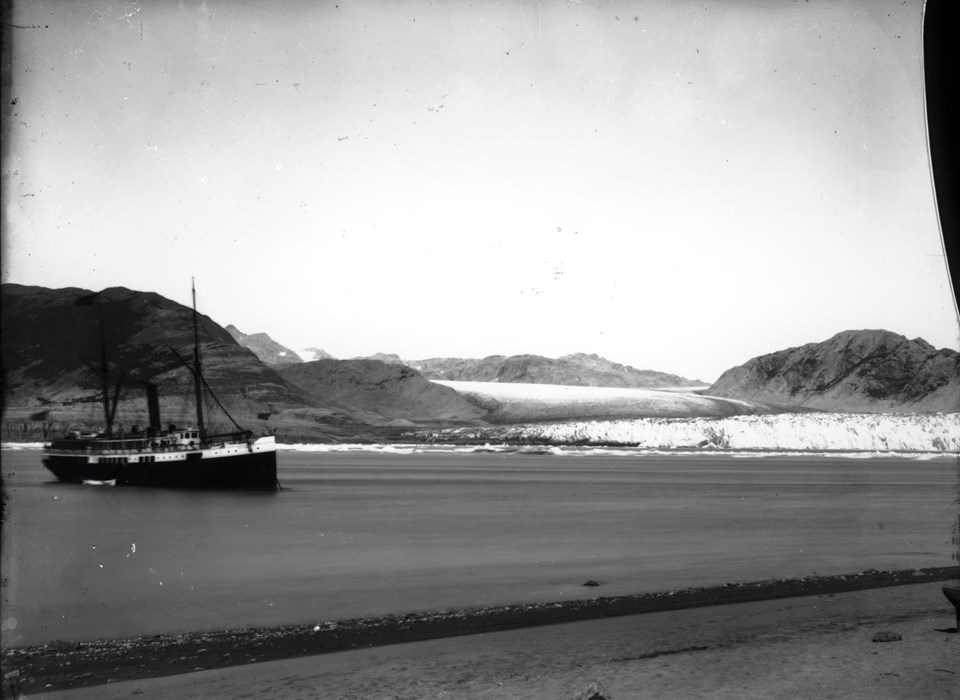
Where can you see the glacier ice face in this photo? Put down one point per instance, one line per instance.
(773, 432)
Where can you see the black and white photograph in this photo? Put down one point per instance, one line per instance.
(561, 349)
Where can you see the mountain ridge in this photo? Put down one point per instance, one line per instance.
(578, 369)
(870, 370)
(264, 347)
(50, 340)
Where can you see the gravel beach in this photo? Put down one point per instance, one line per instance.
(810, 646)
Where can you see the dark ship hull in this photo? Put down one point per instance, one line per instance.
(953, 595)
(229, 465)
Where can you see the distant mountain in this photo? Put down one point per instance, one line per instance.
(639, 378)
(389, 358)
(572, 370)
(396, 392)
(871, 371)
(311, 354)
(264, 347)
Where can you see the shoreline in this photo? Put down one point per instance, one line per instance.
(558, 448)
(61, 665)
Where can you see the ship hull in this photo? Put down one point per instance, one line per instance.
(250, 470)
(953, 595)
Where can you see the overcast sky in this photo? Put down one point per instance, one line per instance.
(678, 186)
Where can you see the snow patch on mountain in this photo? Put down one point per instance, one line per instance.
(313, 354)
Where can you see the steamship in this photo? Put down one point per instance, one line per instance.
(172, 457)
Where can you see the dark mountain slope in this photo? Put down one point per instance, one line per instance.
(867, 371)
(390, 390)
(47, 338)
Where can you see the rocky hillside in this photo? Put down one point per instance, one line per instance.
(869, 371)
(571, 370)
(391, 390)
(49, 343)
(264, 347)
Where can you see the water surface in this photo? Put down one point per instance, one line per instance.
(367, 533)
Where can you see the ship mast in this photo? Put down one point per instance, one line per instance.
(104, 372)
(197, 376)
(109, 410)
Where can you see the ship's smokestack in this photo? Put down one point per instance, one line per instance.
(153, 406)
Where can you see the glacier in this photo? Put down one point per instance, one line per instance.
(858, 432)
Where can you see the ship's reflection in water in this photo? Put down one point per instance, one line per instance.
(360, 533)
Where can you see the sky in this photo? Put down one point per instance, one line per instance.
(677, 186)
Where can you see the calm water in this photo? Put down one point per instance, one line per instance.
(370, 533)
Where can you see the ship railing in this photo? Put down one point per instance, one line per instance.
(124, 447)
(81, 445)
(133, 445)
(230, 437)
